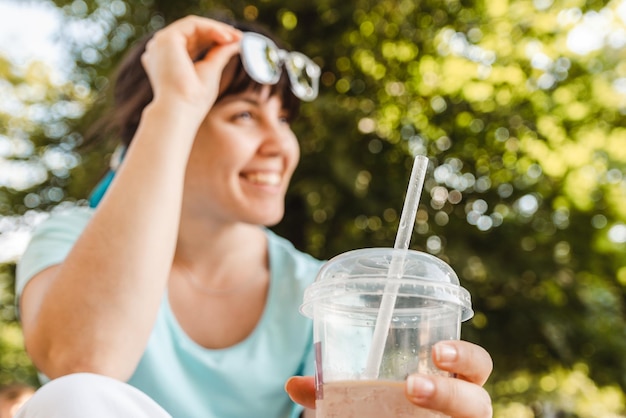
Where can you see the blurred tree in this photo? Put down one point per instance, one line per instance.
(36, 157)
(14, 363)
(520, 106)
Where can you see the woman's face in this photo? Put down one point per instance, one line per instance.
(242, 160)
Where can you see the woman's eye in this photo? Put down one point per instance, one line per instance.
(243, 115)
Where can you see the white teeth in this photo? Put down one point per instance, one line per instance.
(268, 179)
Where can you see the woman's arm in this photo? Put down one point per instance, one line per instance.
(94, 312)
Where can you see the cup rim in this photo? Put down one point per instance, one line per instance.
(334, 281)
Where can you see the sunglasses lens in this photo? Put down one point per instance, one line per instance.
(263, 61)
(260, 58)
(304, 76)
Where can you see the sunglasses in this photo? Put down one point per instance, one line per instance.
(263, 61)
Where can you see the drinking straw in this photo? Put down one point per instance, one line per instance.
(403, 236)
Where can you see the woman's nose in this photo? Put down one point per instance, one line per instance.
(276, 137)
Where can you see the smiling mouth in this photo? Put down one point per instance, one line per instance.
(264, 179)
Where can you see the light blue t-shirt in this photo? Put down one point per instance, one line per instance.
(189, 381)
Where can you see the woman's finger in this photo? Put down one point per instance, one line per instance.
(453, 397)
(191, 36)
(301, 390)
(467, 361)
(172, 64)
(201, 32)
(215, 61)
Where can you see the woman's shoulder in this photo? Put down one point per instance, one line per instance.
(72, 212)
(69, 218)
(284, 254)
(50, 241)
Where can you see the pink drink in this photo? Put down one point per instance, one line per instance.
(368, 399)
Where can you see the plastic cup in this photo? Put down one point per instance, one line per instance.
(344, 302)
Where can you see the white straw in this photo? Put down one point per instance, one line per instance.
(388, 301)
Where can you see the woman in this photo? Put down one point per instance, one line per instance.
(172, 283)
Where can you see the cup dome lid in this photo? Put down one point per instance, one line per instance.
(408, 273)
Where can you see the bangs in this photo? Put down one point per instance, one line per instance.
(242, 82)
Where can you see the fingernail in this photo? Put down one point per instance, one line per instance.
(445, 353)
(420, 386)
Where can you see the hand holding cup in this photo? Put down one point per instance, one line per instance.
(460, 397)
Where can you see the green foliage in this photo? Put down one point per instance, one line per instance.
(14, 363)
(570, 392)
(37, 137)
(525, 195)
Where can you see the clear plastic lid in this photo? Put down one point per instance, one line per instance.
(423, 279)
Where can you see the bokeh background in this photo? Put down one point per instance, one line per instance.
(519, 104)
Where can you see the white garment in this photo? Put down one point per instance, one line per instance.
(87, 395)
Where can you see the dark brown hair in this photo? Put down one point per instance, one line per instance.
(132, 91)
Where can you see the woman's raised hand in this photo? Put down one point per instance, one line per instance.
(170, 60)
